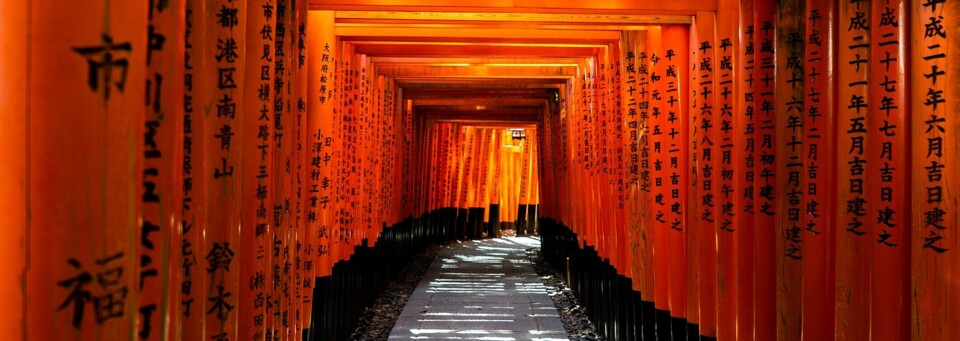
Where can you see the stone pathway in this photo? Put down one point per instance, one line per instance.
(481, 290)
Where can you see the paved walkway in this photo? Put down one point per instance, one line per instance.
(481, 290)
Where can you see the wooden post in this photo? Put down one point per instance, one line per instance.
(14, 119)
(85, 168)
(790, 108)
(853, 252)
(935, 292)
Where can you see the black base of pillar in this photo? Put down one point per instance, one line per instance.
(664, 325)
(649, 320)
(679, 328)
(340, 299)
(609, 298)
(493, 226)
(522, 220)
(461, 222)
(475, 222)
(533, 224)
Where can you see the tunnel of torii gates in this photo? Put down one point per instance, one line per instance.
(257, 169)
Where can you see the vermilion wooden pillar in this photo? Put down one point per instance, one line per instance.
(577, 128)
(195, 172)
(222, 147)
(888, 171)
(320, 136)
(336, 90)
(678, 99)
(256, 226)
(660, 176)
(517, 185)
(674, 92)
(599, 166)
(467, 172)
(483, 195)
(429, 135)
(694, 207)
(818, 169)
(343, 86)
(85, 167)
(350, 154)
(630, 174)
(593, 168)
(636, 116)
(450, 140)
(571, 134)
(935, 291)
(523, 175)
(705, 134)
(648, 263)
(614, 178)
(766, 182)
(746, 160)
(617, 153)
(433, 136)
(371, 214)
(564, 136)
(496, 175)
(365, 137)
(479, 177)
(853, 251)
(409, 175)
(456, 140)
(728, 113)
(454, 143)
(586, 138)
(790, 170)
(303, 280)
(444, 153)
(284, 139)
(323, 90)
(362, 137)
(535, 176)
(13, 174)
(464, 153)
(159, 234)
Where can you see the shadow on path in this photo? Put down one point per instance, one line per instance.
(481, 290)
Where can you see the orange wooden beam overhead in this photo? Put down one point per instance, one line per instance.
(491, 101)
(488, 17)
(471, 84)
(511, 121)
(421, 49)
(475, 61)
(510, 115)
(499, 125)
(427, 71)
(456, 25)
(523, 6)
(475, 93)
(386, 32)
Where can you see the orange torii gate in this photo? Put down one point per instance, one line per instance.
(252, 169)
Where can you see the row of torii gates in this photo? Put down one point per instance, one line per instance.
(258, 169)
